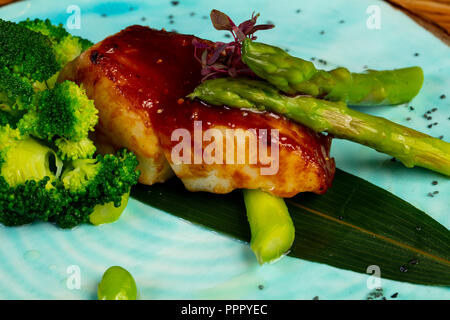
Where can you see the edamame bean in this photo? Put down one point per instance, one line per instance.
(117, 284)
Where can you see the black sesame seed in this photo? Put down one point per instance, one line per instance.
(171, 21)
(192, 14)
(442, 96)
(435, 124)
(408, 119)
(104, 15)
(341, 21)
(411, 108)
(416, 54)
(226, 35)
(170, 16)
(322, 32)
(313, 59)
(430, 194)
(441, 137)
(260, 287)
(434, 183)
(204, 17)
(316, 298)
(395, 295)
(434, 110)
(414, 261)
(430, 125)
(143, 19)
(435, 192)
(174, 3)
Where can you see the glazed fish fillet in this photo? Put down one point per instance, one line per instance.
(139, 79)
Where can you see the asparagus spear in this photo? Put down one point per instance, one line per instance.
(294, 75)
(271, 225)
(411, 147)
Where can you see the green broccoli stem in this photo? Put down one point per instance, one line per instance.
(407, 145)
(271, 226)
(294, 75)
(108, 213)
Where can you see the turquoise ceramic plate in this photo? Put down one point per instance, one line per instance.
(173, 259)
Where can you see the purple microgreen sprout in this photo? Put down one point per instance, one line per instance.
(224, 59)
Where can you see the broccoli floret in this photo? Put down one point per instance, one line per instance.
(31, 54)
(29, 202)
(28, 169)
(55, 32)
(26, 52)
(26, 62)
(16, 92)
(23, 158)
(69, 48)
(94, 182)
(70, 150)
(65, 46)
(32, 187)
(103, 179)
(81, 173)
(64, 111)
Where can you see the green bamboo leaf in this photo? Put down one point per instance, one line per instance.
(353, 226)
